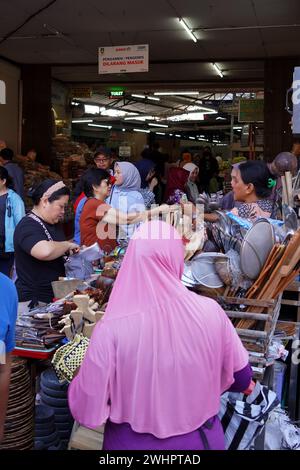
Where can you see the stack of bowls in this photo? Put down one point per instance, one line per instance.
(46, 435)
(55, 396)
(19, 423)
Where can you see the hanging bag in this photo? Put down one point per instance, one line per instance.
(243, 417)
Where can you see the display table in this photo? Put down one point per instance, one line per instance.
(35, 353)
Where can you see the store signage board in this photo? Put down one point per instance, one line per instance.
(124, 151)
(82, 92)
(230, 108)
(123, 59)
(2, 92)
(251, 110)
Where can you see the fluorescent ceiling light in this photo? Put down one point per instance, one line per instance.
(175, 93)
(139, 118)
(170, 134)
(123, 130)
(202, 139)
(237, 128)
(177, 135)
(160, 133)
(74, 103)
(220, 118)
(153, 98)
(143, 97)
(146, 131)
(81, 120)
(156, 125)
(188, 30)
(216, 141)
(187, 117)
(218, 70)
(139, 96)
(91, 109)
(113, 113)
(100, 125)
(202, 109)
(192, 138)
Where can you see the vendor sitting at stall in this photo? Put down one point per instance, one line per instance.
(40, 243)
(98, 221)
(252, 185)
(283, 162)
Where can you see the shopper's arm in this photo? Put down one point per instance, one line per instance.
(242, 379)
(211, 217)
(50, 250)
(5, 370)
(116, 217)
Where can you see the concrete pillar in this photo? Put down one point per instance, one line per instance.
(277, 130)
(36, 122)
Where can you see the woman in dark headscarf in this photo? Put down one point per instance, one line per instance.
(149, 182)
(146, 170)
(176, 185)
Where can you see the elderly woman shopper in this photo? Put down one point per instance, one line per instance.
(40, 243)
(11, 212)
(98, 221)
(191, 187)
(160, 358)
(125, 195)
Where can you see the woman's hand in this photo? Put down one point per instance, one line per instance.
(166, 208)
(73, 248)
(153, 183)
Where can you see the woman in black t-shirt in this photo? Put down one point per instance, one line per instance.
(40, 243)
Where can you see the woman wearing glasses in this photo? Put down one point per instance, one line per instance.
(103, 161)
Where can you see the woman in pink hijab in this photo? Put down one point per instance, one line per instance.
(160, 358)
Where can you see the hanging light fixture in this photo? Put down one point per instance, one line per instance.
(218, 70)
(187, 29)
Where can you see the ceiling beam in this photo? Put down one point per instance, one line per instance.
(186, 61)
(237, 84)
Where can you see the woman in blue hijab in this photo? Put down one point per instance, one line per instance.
(125, 196)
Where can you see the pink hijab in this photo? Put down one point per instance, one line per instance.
(162, 355)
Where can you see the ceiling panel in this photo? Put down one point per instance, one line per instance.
(78, 28)
(270, 12)
(214, 13)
